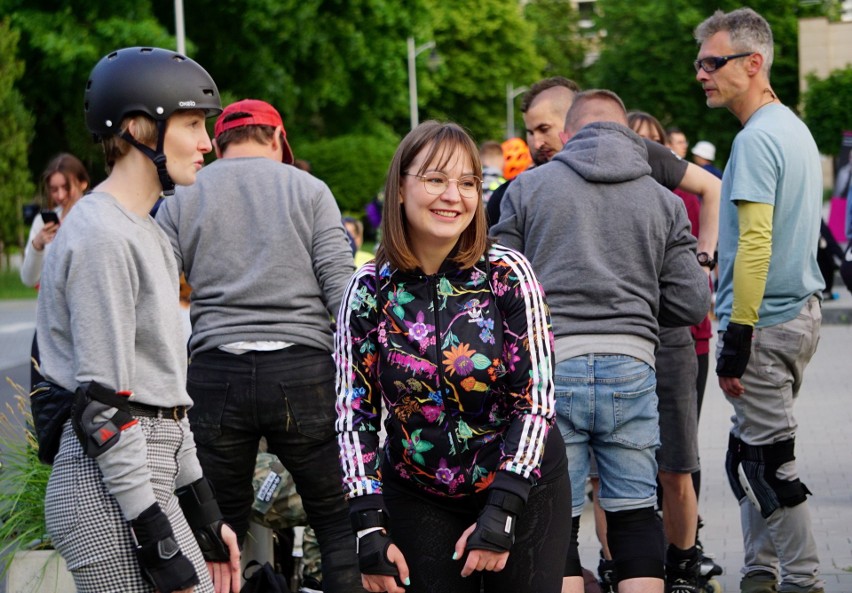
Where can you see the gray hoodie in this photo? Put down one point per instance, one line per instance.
(612, 247)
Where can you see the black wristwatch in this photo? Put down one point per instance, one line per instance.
(706, 260)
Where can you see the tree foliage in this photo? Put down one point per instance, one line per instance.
(60, 44)
(353, 165)
(648, 53)
(827, 109)
(337, 69)
(330, 66)
(16, 124)
(558, 38)
(483, 45)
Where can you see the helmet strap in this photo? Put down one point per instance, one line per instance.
(158, 156)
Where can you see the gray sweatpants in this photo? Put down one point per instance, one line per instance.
(762, 416)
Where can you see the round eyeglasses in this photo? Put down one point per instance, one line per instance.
(713, 63)
(437, 183)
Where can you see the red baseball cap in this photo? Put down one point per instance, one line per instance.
(253, 113)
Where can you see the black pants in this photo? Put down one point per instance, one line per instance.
(426, 532)
(288, 397)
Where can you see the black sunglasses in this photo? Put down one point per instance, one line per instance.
(712, 64)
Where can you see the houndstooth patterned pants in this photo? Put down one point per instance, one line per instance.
(86, 523)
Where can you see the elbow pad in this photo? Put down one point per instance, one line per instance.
(202, 513)
(98, 432)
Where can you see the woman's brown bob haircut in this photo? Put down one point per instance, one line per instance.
(440, 140)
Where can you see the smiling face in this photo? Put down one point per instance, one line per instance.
(434, 223)
(185, 145)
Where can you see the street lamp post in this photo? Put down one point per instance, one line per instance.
(413, 52)
(511, 93)
(179, 28)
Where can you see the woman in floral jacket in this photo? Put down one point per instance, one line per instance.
(453, 334)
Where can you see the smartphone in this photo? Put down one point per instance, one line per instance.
(49, 216)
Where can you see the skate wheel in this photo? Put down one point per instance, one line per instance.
(713, 586)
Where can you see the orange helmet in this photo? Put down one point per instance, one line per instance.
(516, 157)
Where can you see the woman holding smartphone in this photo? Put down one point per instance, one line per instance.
(63, 182)
(451, 335)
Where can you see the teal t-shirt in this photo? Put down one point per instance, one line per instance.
(774, 160)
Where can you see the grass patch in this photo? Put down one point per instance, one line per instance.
(11, 286)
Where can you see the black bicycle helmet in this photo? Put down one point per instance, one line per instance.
(149, 80)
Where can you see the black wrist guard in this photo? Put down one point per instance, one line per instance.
(205, 519)
(736, 350)
(373, 547)
(373, 554)
(163, 564)
(495, 527)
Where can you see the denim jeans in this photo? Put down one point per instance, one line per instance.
(609, 402)
(288, 397)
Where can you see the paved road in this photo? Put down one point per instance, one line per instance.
(17, 324)
(824, 412)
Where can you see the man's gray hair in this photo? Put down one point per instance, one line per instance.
(748, 31)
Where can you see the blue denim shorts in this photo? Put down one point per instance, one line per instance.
(609, 402)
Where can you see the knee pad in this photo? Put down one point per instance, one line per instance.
(733, 459)
(573, 567)
(97, 430)
(758, 477)
(636, 541)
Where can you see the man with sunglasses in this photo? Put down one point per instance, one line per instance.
(768, 302)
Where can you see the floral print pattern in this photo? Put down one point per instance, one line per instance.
(461, 361)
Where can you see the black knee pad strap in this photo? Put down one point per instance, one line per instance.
(636, 542)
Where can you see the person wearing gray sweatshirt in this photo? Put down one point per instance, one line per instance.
(127, 493)
(263, 247)
(615, 255)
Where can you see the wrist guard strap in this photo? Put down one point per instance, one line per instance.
(366, 519)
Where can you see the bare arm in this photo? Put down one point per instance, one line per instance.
(703, 183)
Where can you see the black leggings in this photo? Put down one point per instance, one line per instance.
(426, 532)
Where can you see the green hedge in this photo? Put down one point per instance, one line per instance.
(354, 166)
